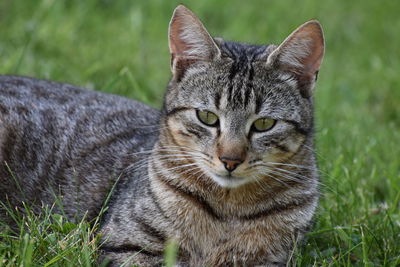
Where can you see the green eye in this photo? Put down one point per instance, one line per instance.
(263, 124)
(207, 117)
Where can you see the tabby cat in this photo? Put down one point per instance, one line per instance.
(226, 169)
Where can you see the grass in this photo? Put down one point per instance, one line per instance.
(121, 47)
(48, 240)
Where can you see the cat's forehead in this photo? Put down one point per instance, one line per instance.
(242, 52)
(257, 94)
(244, 93)
(245, 82)
(239, 82)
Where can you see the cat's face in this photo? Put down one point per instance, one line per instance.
(237, 114)
(248, 122)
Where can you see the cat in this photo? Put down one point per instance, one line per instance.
(226, 168)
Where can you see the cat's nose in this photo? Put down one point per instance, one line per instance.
(231, 163)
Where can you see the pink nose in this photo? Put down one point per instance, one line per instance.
(231, 164)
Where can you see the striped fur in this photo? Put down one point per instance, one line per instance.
(256, 214)
(174, 180)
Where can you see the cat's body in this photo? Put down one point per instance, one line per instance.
(231, 174)
(54, 138)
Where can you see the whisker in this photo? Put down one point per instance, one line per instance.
(197, 169)
(291, 173)
(283, 175)
(314, 151)
(256, 178)
(188, 148)
(177, 167)
(294, 176)
(292, 165)
(288, 177)
(182, 153)
(277, 180)
(305, 177)
(271, 164)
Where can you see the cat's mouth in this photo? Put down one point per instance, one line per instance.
(229, 180)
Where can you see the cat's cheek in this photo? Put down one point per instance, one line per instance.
(287, 148)
(294, 142)
(271, 156)
(181, 136)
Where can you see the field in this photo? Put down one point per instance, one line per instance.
(121, 47)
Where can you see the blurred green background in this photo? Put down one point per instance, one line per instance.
(121, 47)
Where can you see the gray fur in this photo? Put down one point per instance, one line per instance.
(63, 140)
(55, 138)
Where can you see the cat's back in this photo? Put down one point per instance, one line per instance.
(58, 139)
(36, 94)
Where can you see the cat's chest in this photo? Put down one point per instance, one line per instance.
(211, 242)
(209, 233)
(202, 234)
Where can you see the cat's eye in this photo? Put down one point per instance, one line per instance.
(207, 117)
(263, 124)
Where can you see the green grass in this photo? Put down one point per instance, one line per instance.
(121, 47)
(48, 240)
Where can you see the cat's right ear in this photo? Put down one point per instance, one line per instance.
(189, 41)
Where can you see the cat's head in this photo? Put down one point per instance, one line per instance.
(237, 109)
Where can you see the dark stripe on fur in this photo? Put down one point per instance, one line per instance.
(280, 146)
(128, 248)
(156, 203)
(185, 134)
(299, 128)
(249, 86)
(242, 56)
(247, 93)
(146, 228)
(199, 201)
(197, 130)
(194, 132)
(259, 102)
(217, 99)
(306, 200)
(176, 110)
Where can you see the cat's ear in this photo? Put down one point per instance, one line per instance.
(189, 41)
(301, 53)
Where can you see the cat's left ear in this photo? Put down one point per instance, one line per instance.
(189, 41)
(301, 53)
